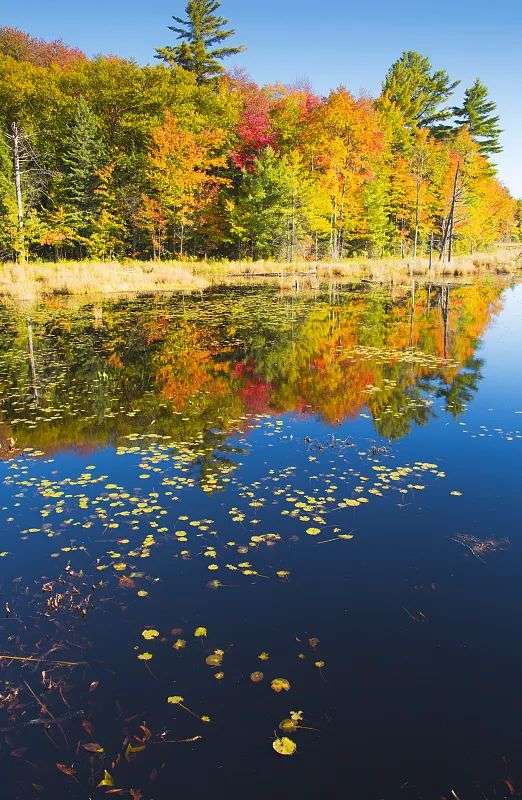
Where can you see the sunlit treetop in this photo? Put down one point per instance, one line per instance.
(199, 33)
(23, 47)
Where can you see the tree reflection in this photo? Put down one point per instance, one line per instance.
(193, 369)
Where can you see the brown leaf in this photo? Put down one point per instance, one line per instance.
(69, 771)
(126, 583)
(93, 747)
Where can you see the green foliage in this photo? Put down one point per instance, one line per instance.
(199, 32)
(478, 114)
(8, 223)
(261, 217)
(419, 92)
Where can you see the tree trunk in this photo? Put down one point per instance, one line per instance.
(417, 214)
(18, 190)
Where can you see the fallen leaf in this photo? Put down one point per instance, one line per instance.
(284, 746)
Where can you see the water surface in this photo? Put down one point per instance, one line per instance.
(324, 485)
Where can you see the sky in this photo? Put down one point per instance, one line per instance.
(325, 43)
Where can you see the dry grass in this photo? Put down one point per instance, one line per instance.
(504, 261)
(30, 281)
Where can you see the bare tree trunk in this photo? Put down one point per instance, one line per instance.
(450, 221)
(18, 189)
(417, 215)
(182, 239)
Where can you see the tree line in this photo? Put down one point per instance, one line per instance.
(102, 158)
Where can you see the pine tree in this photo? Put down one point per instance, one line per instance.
(199, 32)
(81, 161)
(419, 93)
(478, 114)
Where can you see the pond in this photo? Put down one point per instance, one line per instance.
(263, 544)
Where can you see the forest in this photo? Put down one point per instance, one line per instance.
(106, 159)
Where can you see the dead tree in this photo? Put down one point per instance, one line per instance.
(447, 236)
(16, 147)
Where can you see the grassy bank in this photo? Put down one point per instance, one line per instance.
(32, 281)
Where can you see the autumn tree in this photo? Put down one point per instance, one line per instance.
(198, 33)
(22, 47)
(343, 144)
(184, 172)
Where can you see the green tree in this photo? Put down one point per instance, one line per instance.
(81, 161)
(478, 114)
(419, 92)
(8, 224)
(261, 216)
(198, 33)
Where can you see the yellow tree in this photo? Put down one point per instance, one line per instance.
(343, 142)
(184, 175)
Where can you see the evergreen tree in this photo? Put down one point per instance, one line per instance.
(81, 161)
(261, 217)
(419, 93)
(478, 114)
(199, 32)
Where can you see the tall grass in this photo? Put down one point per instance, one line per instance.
(32, 281)
(29, 281)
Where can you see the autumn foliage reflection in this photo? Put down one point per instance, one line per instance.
(184, 370)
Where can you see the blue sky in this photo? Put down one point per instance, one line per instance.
(328, 43)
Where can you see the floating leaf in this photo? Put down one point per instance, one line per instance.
(133, 750)
(215, 659)
(200, 633)
(284, 746)
(150, 633)
(93, 747)
(280, 685)
(107, 781)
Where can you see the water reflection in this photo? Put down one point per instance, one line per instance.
(196, 367)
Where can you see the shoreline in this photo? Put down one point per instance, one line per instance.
(40, 281)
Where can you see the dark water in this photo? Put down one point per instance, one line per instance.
(331, 481)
